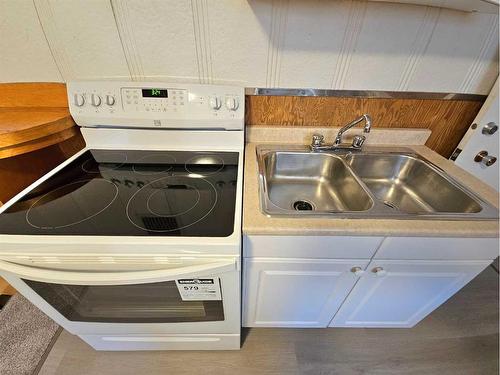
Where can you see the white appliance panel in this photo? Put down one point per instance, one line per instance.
(154, 116)
(156, 105)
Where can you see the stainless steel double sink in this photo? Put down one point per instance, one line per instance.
(368, 183)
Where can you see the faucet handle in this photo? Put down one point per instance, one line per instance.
(368, 123)
(317, 140)
(358, 140)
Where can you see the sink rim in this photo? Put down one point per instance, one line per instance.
(378, 209)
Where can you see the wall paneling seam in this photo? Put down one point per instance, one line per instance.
(271, 47)
(357, 28)
(352, 31)
(278, 26)
(196, 30)
(111, 3)
(419, 47)
(203, 46)
(282, 29)
(478, 65)
(129, 44)
(340, 57)
(61, 78)
(208, 40)
(51, 32)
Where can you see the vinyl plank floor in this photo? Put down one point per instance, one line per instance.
(460, 337)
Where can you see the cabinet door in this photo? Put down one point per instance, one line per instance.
(295, 292)
(394, 293)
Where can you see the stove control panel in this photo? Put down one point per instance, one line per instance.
(156, 105)
(153, 100)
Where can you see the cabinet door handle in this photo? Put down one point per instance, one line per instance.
(358, 271)
(379, 271)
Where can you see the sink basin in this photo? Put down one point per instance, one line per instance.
(374, 183)
(409, 184)
(312, 182)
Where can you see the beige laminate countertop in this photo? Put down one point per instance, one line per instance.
(257, 223)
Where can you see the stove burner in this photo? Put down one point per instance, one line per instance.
(153, 164)
(171, 203)
(92, 166)
(63, 208)
(204, 165)
(157, 202)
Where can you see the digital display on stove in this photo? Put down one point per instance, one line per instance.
(154, 93)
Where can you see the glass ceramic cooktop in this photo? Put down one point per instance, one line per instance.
(132, 193)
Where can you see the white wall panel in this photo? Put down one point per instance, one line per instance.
(240, 33)
(312, 51)
(383, 58)
(343, 44)
(460, 42)
(24, 52)
(484, 70)
(83, 38)
(159, 39)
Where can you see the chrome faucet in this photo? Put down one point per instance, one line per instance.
(317, 143)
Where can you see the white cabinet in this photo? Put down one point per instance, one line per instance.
(300, 281)
(296, 292)
(400, 293)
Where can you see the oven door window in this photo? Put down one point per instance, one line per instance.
(137, 303)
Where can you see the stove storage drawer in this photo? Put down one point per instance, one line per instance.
(163, 342)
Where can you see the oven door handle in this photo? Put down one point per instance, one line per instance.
(118, 277)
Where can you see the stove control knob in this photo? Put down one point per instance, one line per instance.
(232, 103)
(79, 100)
(110, 100)
(215, 102)
(95, 100)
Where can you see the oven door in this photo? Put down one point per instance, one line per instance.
(197, 297)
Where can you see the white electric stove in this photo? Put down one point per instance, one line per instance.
(134, 243)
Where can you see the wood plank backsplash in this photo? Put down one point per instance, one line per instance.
(447, 119)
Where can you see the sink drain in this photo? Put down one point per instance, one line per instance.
(302, 206)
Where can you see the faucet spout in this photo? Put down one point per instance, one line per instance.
(317, 143)
(368, 125)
